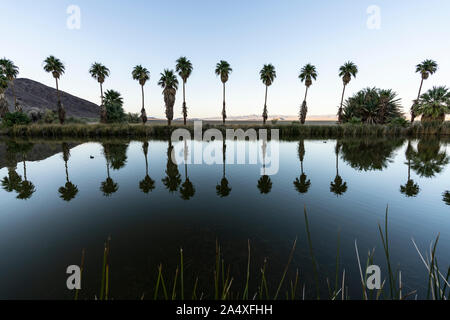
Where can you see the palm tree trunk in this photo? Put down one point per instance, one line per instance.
(57, 91)
(184, 102)
(265, 107)
(413, 112)
(143, 103)
(337, 164)
(306, 93)
(409, 169)
(342, 103)
(146, 165)
(67, 171)
(101, 93)
(223, 110)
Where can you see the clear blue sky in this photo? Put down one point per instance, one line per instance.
(247, 33)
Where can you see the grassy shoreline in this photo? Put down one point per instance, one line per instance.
(286, 131)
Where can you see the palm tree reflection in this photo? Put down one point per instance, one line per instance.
(302, 184)
(410, 189)
(338, 186)
(223, 189)
(147, 185)
(12, 181)
(429, 160)
(264, 183)
(69, 190)
(172, 180)
(26, 188)
(109, 187)
(187, 189)
(446, 197)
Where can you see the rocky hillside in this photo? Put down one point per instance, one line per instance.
(32, 94)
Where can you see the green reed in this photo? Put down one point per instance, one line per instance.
(226, 288)
(286, 130)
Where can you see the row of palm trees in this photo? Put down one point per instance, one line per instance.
(427, 161)
(169, 83)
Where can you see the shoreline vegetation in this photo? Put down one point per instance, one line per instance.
(287, 130)
(220, 284)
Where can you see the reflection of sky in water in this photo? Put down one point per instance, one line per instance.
(43, 235)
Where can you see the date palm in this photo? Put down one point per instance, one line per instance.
(69, 191)
(434, 104)
(267, 75)
(346, 72)
(147, 185)
(223, 69)
(54, 66)
(11, 71)
(3, 86)
(425, 68)
(99, 72)
(142, 75)
(184, 69)
(223, 189)
(169, 83)
(307, 74)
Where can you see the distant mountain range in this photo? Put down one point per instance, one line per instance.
(32, 94)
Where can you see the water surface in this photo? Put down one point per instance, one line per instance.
(60, 197)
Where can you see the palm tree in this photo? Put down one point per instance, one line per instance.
(113, 103)
(426, 68)
(223, 69)
(54, 66)
(4, 109)
(169, 83)
(434, 104)
(172, 180)
(264, 183)
(268, 76)
(223, 189)
(346, 72)
(11, 71)
(187, 189)
(142, 75)
(184, 69)
(69, 190)
(338, 186)
(446, 197)
(147, 185)
(99, 72)
(307, 74)
(410, 189)
(302, 184)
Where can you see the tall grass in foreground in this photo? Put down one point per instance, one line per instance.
(286, 131)
(226, 288)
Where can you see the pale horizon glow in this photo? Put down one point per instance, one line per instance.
(247, 34)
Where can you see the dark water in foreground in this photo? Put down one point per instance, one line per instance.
(48, 215)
